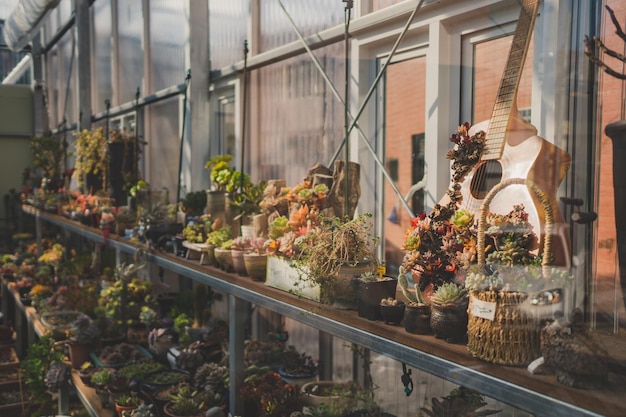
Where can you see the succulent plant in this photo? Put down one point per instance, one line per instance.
(413, 297)
(449, 294)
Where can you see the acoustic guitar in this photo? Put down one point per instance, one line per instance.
(513, 150)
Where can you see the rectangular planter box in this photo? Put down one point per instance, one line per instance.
(282, 275)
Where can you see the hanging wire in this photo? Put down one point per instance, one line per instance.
(243, 118)
(182, 134)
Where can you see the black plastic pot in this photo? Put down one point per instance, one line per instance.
(369, 294)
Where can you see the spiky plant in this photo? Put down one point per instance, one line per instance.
(449, 294)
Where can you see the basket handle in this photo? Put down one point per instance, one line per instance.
(548, 226)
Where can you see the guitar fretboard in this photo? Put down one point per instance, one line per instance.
(507, 92)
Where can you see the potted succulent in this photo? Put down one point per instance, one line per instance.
(449, 317)
(334, 253)
(255, 260)
(371, 289)
(101, 379)
(83, 334)
(212, 376)
(392, 310)
(417, 312)
(220, 173)
(86, 370)
(127, 403)
(142, 410)
(265, 393)
(224, 256)
(187, 402)
(239, 247)
(298, 367)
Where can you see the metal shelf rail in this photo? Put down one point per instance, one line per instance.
(532, 401)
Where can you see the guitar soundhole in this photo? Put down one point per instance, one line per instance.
(487, 175)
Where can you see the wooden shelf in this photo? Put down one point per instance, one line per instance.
(537, 394)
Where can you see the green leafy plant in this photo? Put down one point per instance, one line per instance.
(220, 171)
(48, 153)
(194, 202)
(41, 356)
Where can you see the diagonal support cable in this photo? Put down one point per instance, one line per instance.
(368, 96)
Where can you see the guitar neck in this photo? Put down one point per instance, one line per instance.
(507, 91)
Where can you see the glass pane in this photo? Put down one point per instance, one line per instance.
(169, 31)
(381, 4)
(609, 284)
(6, 8)
(310, 17)
(68, 80)
(163, 145)
(130, 26)
(489, 61)
(227, 31)
(102, 55)
(300, 122)
(65, 11)
(405, 84)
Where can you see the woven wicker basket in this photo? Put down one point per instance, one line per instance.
(512, 337)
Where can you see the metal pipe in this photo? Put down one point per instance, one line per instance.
(133, 105)
(18, 70)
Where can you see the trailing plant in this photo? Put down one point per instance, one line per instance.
(325, 249)
(41, 355)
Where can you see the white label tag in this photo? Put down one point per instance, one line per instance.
(483, 309)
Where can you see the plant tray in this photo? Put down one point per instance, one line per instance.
(197, 251)
(98, 362)
(282, 275)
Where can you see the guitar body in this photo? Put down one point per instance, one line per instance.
(534, 159)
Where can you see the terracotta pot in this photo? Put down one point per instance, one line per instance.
(224, 258)
(256, 265)
(79, 353)
(238, 262)
(449, 322)
(417, 319)
(121, 408)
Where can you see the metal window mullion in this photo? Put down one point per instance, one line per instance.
(115, 54)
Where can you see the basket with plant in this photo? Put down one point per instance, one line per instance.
(504, 323)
